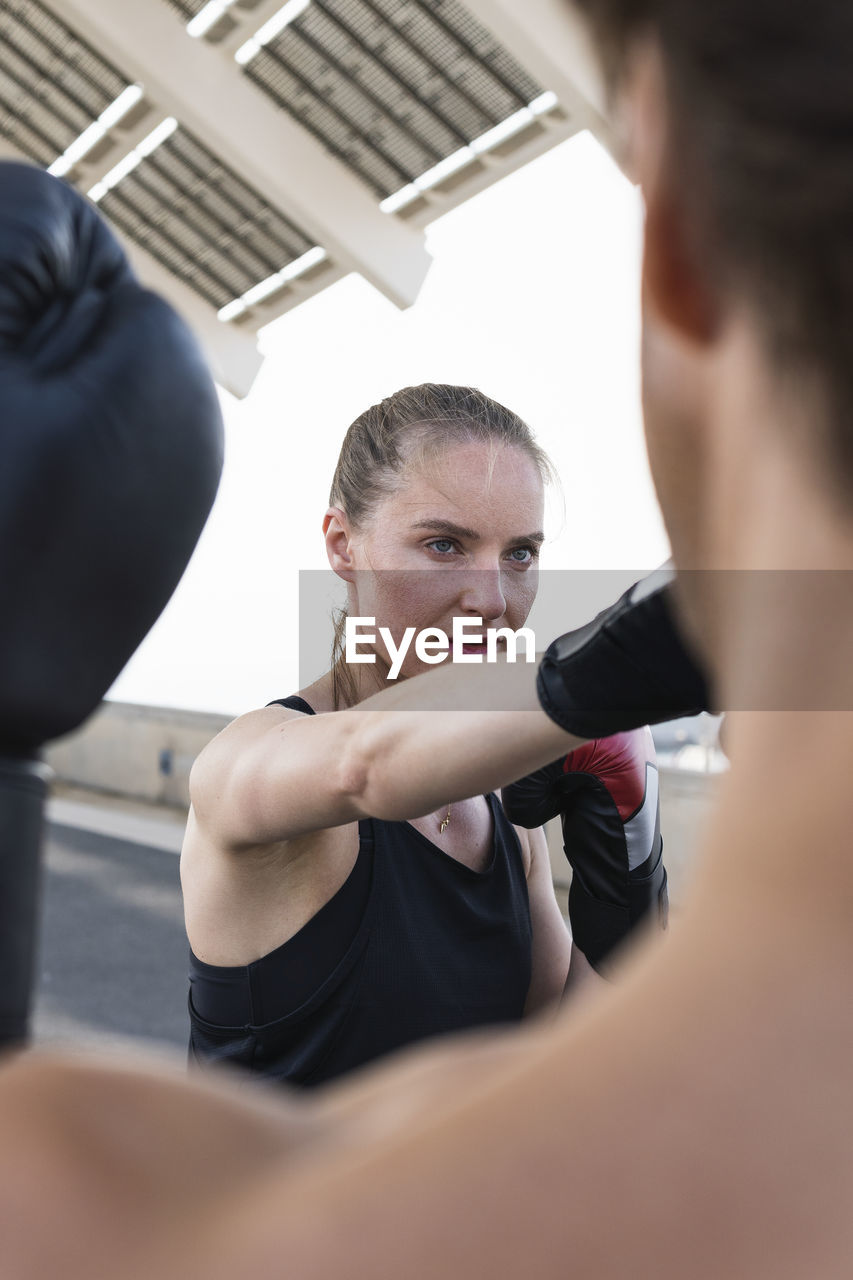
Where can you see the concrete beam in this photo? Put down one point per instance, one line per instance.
(230, 351)
(206, 91)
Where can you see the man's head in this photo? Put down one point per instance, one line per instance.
(738, 121)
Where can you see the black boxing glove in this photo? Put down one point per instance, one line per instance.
(110, 455)
(629, 667)
(606, 795)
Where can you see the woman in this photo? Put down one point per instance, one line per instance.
(322, 938)
(318, 945)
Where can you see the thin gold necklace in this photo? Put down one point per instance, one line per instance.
(445, 821)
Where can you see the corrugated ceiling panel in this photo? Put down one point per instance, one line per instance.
(187, 8)
(203, 222)
(391, 87)
(52, 83)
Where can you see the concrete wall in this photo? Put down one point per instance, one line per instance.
(141, 753)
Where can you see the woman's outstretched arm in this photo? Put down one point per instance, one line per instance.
(446, 735)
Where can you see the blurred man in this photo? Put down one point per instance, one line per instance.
(695, 1120)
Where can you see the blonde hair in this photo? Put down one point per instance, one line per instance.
(407, 429)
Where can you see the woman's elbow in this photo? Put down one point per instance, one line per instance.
(366, 777)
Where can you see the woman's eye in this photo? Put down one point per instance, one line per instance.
(522, 555)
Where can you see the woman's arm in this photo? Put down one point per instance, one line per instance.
(274, 775)
(582, 977)
(552, 943)
(449, 734)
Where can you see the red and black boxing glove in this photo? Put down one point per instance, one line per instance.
(606, 795)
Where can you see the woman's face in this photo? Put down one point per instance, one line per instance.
(458, 538)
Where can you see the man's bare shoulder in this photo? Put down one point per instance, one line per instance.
(101, 1158)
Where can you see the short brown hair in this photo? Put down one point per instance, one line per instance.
(761, 96)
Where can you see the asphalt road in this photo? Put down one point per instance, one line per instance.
(113, 958)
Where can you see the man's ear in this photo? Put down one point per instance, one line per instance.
(677, 283)
(337, 533)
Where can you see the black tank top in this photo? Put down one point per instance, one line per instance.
(413, 944)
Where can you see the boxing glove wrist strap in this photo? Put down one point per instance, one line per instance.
(23, 786)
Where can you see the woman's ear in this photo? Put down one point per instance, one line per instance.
(338, 536)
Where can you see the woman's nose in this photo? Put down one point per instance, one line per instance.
(483, 595)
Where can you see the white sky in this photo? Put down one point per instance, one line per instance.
(533, 297)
